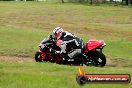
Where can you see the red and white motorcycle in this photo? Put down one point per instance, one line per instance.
(91, 56)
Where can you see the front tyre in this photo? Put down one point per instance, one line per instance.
(38, 57)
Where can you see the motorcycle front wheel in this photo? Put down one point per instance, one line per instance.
(38, 57)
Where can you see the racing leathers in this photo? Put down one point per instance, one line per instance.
(68, 40)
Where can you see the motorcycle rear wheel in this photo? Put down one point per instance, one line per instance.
(100, 60)
(97, 59)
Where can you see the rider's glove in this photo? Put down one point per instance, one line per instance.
(54, 51)
(57, 52)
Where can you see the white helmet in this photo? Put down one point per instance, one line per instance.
(57, 32)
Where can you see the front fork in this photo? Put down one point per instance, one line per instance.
(42, 55)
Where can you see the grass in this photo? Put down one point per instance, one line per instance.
(24, 24)
(32, 75)
(19, 42)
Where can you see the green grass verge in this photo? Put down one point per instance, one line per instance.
(19, 42)
(47, 75)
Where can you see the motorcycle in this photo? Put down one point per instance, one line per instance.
(92, 55)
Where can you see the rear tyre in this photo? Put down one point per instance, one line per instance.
(100, 59)
(38, 57)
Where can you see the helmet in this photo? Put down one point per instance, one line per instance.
(57, 32)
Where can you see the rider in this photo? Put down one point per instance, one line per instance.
(65, 39)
